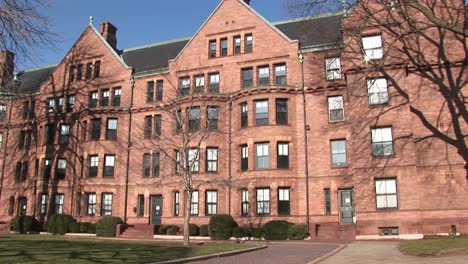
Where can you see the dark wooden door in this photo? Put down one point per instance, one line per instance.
(22, 204)
(156, 209)
(346, 206)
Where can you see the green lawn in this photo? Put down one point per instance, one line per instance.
(59, 249)
(435, 246)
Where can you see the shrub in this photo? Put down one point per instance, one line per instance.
(297, 232)
(221, 226)
(15, 224)
(204, 230)
(74, 227)
(194, 230)
(257, 232)
(84, 227)
(29, 224)
(276, 230)
(173, 230)
(240, 232)
(162, 230)
(59, 223)
(106, 226)
(91, 229)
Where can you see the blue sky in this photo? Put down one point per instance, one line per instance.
(139, 22)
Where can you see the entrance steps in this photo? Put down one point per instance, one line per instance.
(142, 231)
(334, 231)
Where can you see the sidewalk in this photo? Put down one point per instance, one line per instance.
(385, 253)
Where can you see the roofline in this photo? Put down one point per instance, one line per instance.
(297, 19)
(112, 50)
(38, 68)
(157, 44)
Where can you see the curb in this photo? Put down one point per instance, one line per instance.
(216, 255)
(329, 254)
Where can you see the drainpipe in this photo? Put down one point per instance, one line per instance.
(4, 152)
(74, 167)
(306, 127)
(129, 145)
(230, 153)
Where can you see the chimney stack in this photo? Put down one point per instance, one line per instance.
(7, 66)
(247, 2)
(109, 33)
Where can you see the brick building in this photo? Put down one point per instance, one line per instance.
(100, 132)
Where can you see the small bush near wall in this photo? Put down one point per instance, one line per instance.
(204, 230)
(194, 230)
(240, 232)
(297, 232)
(87, 228)
(106, 226)
(257, 232)
(24, 224)
(173, 230)
(276, 230)
(74, 227)
(221, 226)
(59, 223)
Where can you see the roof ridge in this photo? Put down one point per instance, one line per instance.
(38, 68)
(297, 19)
(157, 44)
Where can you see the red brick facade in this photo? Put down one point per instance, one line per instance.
(428, 176)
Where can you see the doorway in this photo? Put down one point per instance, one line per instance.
(156, 209)
(346, 206)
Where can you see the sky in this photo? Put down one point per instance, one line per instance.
(139, 22)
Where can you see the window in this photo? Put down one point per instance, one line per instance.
(89, 70)
(244, 157)
(212, 117)
(21, 139)
(109, 165)
(284, 203)
(263, 75)
(327, 201)
(91, 204)
(156, 157)
(194, 159)
(184, 84)
(60, 104)
(111, 132)
(157, 125)
(224, 47)
(372, 46)
(262, 155)
(194, 119)
(27, 139)
(338, 153)
(244, 202)
(179, 123)
(261, 112)
(146, 165)
(214, 83)
(116, 94)
(25, 114)
(18, 171)
(263, 201)
(176, 203)
(71, 74)
(93, 166)
(79, 72)
(160, 90)
(382, 142)
(70, 103)
(44, 203)
(11, 205)
(24, 170)
(335, 108)
(61, 169)
(95, 129)
(211, 199)
(211, 159)
(106, 208)
(150, 91)
(212, 47)
(282, 111)
(237, 44)
(389, 231)
(377, 90)
(177, 162)
(47, 168)
(58, 203)
(248, 43)
(247, 78)
(283, 155)
(333, 68)
(2, 111)
(244, 115)
(194, 203)
(50, 105)
(148, 127)
(64, 134)
(199, 84)
(97, 69)
(280, 74)
(22, 205)
(105, 98)
(141, 205)
(93, 99)
(386, 194)
(50, 134)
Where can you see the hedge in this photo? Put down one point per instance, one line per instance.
(276, 230)
(194, 230)
(59, 223)
(74, 227)
(297, 232)
(24, 224)
(106, 226)
(87, 228)
(221, 226)
(240, 232)
(204, 230)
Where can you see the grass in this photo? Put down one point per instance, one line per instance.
(59, 249)
(436, 246)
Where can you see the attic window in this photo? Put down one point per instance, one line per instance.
(248, 43)
(212, 47)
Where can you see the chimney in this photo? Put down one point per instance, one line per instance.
(247, 2)
(7, 66)
(109, 33)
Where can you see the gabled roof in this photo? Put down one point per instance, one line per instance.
(322, 30)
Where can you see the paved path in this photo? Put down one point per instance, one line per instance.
(280, 253)
(385, 253)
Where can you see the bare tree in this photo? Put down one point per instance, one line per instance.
(422, 41)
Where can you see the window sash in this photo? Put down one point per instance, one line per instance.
(282, 111)
(386, 194)
(107, 204)
(58, 203)
(263, 201)
(141, 206)
(212, 117)
(211, 202)
(160, 90)
(244, 115)
(335, 108)
(194, 203)
(261, 112)
(283, 155)
(247, 78)
(244, 202)
(212, 159)
(244, 157)
(150, 91)
(44, 204)
(176, 203)
(262, 156)
(156, 162)
(194, 159)
(338, 149)
(91, 204)
(372, 46)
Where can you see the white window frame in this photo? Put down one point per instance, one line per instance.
(333, 68)
(211, 159)
(263, 201)
(386, 193)
(335, 103)
(373, 47)
(211, 202)
(383, 137)
(195, 203)
(337, 151)
(262, 155)
(193, 157)
(377, 90)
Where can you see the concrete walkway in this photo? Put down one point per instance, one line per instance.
(385, 253)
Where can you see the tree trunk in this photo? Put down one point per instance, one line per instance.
(188, 206)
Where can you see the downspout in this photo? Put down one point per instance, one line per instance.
(129, 145)
(230, 154)
(306, 127)
(5, 146)
(74, 167)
